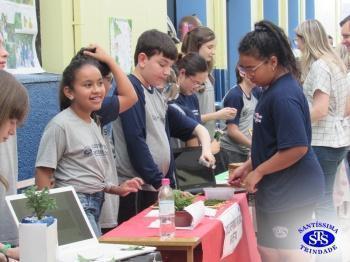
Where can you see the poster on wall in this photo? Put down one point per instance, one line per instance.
(120, 42)
(18, 26)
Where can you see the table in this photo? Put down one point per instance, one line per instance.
(204, 243)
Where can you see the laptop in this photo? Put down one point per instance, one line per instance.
(75, 234)
(189, 174)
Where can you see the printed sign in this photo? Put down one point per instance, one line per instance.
(18, 26)
(231, 219)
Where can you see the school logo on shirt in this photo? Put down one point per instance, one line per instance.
(95, 150)
(257, 117)
(280, 232)
(318, 238)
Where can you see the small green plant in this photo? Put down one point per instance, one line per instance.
(182, 200)
(39, 201)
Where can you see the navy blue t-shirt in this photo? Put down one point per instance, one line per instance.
(190, 105)
(282, 121)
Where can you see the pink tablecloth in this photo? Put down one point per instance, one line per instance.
(210, 231)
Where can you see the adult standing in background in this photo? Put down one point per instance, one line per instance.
(325, 86)
(8, 169)
(345, 31)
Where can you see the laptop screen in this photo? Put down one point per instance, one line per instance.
(190, 175)
(71, 223)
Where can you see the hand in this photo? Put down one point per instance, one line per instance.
(129, 186)
(252, 179)
(226, 113)
(207, 158)
(99, 54)
(238, 175)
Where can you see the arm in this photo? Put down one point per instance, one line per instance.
(222, 114)
(279, 161)
(203, 135)
(129, 186)
(43, 177)
(320, 106)
(126, 93)
(236, 135)
(134, 128)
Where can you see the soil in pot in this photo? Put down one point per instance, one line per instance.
(183, 219)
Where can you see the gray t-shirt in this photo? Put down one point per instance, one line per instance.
(156, 138)
(77, 151)
(206, 101)
(244, 119)
(9, 170)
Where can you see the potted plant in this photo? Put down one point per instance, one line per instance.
(39, 227)
(182, 200)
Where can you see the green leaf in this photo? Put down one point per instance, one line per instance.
(39, 201)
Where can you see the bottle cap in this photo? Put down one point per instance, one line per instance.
(165, 181)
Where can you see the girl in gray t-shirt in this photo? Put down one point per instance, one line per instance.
(72, 149)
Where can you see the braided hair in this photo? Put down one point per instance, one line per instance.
(268, 40)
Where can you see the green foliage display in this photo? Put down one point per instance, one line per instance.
(182, 200)
(39, 201)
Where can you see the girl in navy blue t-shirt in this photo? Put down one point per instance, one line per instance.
(283, 166)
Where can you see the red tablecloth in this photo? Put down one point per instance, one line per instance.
(210, 231)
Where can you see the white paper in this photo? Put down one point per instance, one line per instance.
(231, 219)
(197, 212)
(210, 212)
(153, 213)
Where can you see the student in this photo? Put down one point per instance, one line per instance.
(72, 150)
(14, 107)
(192, 71)
(141, 134)
(326, 88)
(237, 139)
(9, 170)
(282, 165)
(188, 23)
(202, 41)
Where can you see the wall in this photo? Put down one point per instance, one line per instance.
(60, 40)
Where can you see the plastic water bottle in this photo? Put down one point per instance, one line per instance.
(166, 210)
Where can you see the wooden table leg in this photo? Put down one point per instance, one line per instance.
(189, 254)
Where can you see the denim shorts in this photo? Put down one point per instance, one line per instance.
(92, 204)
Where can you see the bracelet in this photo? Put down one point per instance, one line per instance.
(4, 248)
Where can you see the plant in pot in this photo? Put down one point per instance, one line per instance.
(182, 200)
(38, 226)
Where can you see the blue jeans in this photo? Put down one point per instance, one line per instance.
(92, 204)
(329, 159)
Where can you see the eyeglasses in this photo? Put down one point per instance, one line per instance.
(245, 71)
(195, 82)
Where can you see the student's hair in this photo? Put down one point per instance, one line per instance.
(191, 21)
(316, 46)
(239, 78)
(154, 42)
(103, 67)
(68, 76)
(268, 40)
(346, 19)
(194, 39)
(193, 63)
(14, 99)
(14, 103)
